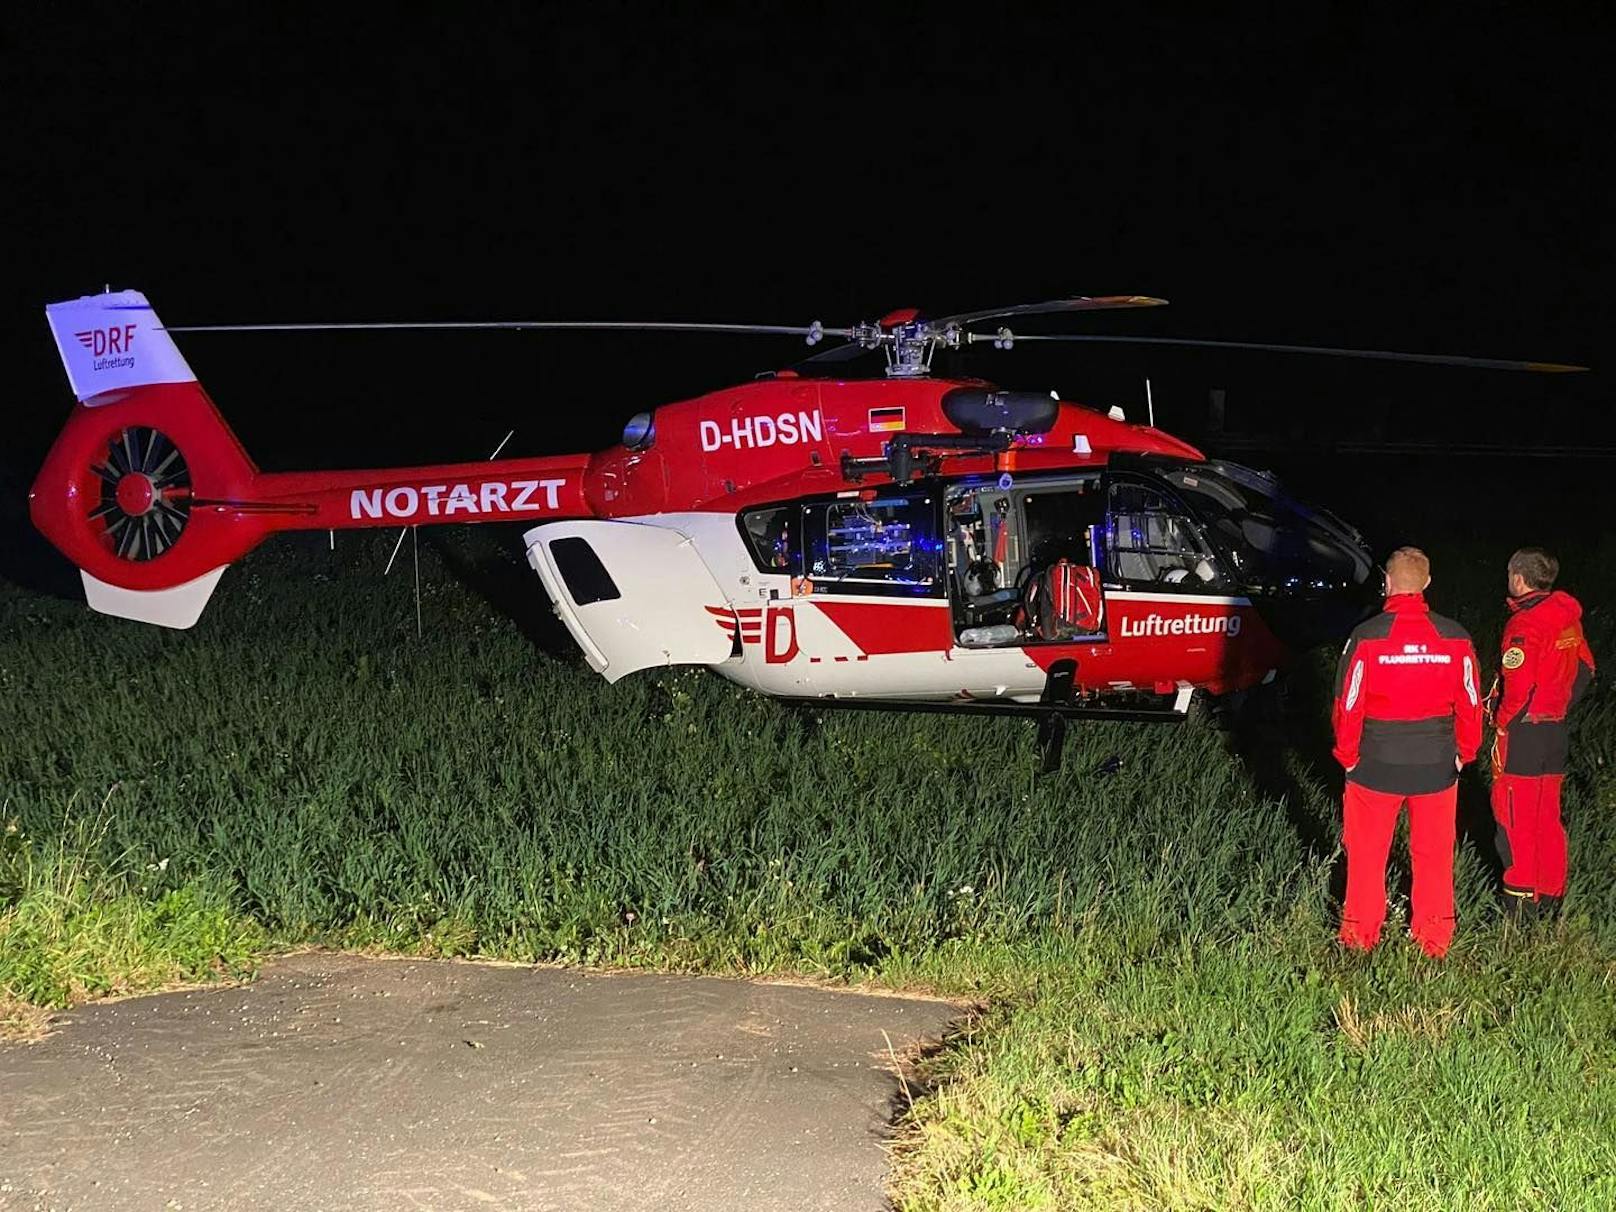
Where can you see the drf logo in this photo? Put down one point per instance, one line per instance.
(102, 341)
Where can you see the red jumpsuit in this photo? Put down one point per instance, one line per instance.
(1547, 667)
(1407, 714)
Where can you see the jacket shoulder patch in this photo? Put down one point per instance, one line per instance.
(1514, 658)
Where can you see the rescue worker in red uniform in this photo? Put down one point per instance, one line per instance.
(1547, 667)
(1407, 717)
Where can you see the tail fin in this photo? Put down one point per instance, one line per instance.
(119, 491)
(150, 494)
(113, 342)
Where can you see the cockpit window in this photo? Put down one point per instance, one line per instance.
(1275, 542)
(1149, 541)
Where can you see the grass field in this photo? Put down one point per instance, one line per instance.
(1165, 1022)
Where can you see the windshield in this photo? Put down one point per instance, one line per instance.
(1275, 542)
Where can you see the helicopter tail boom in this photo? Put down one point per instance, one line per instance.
(149, 493)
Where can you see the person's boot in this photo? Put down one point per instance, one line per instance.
(1519, 907)
(1548, 907)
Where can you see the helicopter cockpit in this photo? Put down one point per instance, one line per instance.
(1276, 544)
(1199, 529)
(998, 549)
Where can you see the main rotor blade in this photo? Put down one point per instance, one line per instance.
(854, 350)
(1052, 307)
(837, 353)
(789, 330)
(1383, 355)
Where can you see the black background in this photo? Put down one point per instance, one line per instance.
(1349, 175)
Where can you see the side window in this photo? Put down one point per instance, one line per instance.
(885, 545)
(1150, 542)
(771, 535)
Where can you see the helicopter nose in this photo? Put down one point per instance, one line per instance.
(1321, 597)
(1322, 618)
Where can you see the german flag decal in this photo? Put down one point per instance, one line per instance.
(886, 420)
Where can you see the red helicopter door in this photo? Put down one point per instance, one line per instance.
(632, 595)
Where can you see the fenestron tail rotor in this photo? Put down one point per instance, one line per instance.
(145, 493)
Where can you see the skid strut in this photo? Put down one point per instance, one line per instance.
(1052, 727)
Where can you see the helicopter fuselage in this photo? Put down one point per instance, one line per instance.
(811, 569)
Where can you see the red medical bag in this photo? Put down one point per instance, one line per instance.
(1065, 601)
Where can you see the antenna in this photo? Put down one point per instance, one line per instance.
(1150, 406)
(405, 530)
(396, 546)
(415, 545)
(415, 550)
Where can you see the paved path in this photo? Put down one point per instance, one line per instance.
(338, 1082)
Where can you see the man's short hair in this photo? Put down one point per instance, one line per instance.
(1408, 570)
(1535, 566)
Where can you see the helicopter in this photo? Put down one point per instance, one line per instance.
(899, 541)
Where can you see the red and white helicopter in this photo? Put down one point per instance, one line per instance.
(902, 541)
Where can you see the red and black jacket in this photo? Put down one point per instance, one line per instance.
(1547, 664)
(1406, 700)
(1547, 668)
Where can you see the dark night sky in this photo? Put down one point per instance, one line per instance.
(1310, 174)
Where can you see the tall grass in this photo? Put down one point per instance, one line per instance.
(76, 924)
(342, 776)
(1169, 1025)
